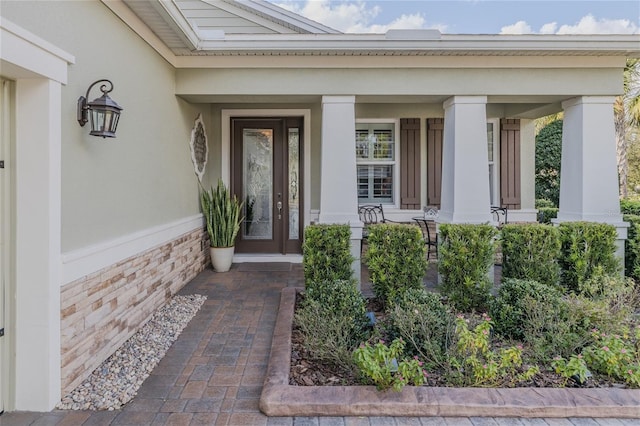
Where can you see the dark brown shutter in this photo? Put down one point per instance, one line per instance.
(510, 163)
(435, 127)
(410, 163)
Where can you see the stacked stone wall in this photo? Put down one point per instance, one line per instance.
(100, 311)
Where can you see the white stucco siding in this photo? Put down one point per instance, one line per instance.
(398, 82)
(144, 177)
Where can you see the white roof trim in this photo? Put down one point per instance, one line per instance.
(628, 45)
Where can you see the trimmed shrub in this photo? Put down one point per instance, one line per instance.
(586, 248)
(421, 320)
(548, 161)
(545, 214)
(530, 252)
(513, 301)
(327, 254)
(543, 202)
(396, 259)
(630, 207)
(632, 247)
(332, 318)
(465, 255)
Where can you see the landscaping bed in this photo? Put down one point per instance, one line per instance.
(559, 335)
(279, 398)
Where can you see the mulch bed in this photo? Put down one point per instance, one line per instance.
(305, 371)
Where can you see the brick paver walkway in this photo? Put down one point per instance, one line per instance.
(214, 372)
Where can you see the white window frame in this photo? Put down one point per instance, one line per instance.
(495, 200)
(396, 155)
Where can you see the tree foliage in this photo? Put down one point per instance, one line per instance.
(548, 152)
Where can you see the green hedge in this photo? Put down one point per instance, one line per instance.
(587, 248)
(530, 252)
(465, 255)
(630, 207)
(509, 309)
(543, 202)
(396, 259)
(632, 247)
(327, 254)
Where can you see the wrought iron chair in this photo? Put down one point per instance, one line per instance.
(500, 213)
(431, 243)
(371, 214)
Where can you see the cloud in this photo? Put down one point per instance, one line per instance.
(587, 25)
(355, 16)
(520, 27)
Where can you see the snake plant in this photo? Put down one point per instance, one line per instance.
(222, 215)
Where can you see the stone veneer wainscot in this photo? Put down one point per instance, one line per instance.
(99, 312)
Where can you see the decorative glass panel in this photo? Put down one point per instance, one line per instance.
(257, 145)
(490, 140)
(294, 184)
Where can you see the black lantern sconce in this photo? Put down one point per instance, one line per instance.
(105, 112)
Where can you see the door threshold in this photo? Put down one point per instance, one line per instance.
(266, 258)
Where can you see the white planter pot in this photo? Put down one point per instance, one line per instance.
(221, 258)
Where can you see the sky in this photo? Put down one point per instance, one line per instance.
(474, 16)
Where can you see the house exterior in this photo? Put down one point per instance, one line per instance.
(303, 122)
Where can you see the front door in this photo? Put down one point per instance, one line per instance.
(267, 177)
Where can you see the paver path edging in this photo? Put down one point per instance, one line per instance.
(278, 398)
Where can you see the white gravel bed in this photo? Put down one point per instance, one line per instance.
(117, 380)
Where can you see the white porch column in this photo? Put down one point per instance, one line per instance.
(38, 228)
(338, 185)
(589, 177)
(465, 165)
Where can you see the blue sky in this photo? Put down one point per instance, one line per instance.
(474, 16)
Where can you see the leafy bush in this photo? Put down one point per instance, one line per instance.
(632, 247)
(606, 303)
(585, 247)
(327, 254)
(545, 214)
(514, 300)
(553, 329)
(548, 155)
(630, 207)
(332, 318)
(475, 363)
(543, 202)
(423, 322)
(380, 364)
(466, 254)
(565, 329)
(616, 356)
(530, 252)
(396, 259)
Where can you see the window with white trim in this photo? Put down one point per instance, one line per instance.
(376, 162)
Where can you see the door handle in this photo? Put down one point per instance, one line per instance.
(279, 205)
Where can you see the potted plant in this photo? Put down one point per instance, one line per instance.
(222, 216)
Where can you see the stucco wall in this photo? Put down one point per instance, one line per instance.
(142, 178)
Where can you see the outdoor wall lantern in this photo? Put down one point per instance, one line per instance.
(105, 112)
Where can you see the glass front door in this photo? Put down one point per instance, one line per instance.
(267, 178)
